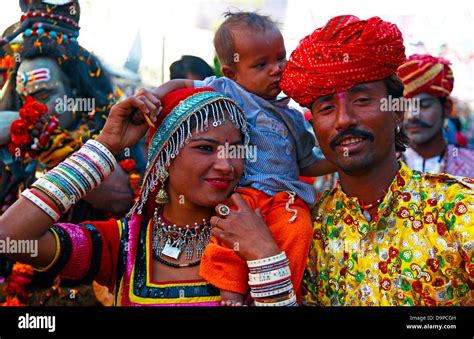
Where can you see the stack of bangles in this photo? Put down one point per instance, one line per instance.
(72, 179)
(270, 281)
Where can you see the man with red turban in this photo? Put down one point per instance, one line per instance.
(428, 82)
(381, 236)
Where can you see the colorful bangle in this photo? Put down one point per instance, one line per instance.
(272, 292)
(90, 161)
(52, 197)
(42, 204)
(63, 184)
(85, 167)
(79, 173)
(107, 155)
(72, 179)
(101, 154)
(56, 253)
(53, 190)
(68, 181)
(95, 158)
(272, 286)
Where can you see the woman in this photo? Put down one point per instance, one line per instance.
(144, 259)
(140, 258)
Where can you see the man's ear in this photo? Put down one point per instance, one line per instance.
(228, 72)
(448, 108)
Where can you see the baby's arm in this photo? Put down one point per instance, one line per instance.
(318, 168)
(171, 86)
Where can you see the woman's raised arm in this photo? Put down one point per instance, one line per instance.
(31, 217)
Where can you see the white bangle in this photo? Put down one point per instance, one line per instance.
(41, 204)
(266, 261)
(103, 149)
(269, 277)
(106, 154)
(55, 190)
(271, 293)
(289, 302)
(97, 158)
(94, 174)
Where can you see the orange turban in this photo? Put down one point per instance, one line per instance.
(425, 73)
(344, 53)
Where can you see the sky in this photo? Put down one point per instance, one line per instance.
(168, 29)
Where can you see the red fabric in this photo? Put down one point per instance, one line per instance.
(81, 255)
(308, 180)
(461, 139)
(344, 53)
(223, 268)
(170, 101)
(110, 234)
(423, 73)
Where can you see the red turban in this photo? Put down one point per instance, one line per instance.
(425, 73)
(344, 53)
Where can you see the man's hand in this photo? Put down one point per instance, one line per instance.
(126, 124)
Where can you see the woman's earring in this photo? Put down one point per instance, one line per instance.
(398, 129)
(162, 198)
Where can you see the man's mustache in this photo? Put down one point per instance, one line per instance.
(417, 123)
(352, 132)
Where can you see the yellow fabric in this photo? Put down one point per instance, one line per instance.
(419, 252)
(61, 145)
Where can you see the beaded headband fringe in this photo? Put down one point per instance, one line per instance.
(176, 131)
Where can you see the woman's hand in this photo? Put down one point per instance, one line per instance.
(244, 231)
(126, 123)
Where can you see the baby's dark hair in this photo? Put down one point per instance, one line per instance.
(224, 37)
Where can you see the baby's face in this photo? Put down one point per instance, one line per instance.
(259, 61)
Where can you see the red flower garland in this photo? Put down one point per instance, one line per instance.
(30, 115)
(129, 166)
(17, 285)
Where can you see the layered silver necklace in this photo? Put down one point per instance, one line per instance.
(171, 240)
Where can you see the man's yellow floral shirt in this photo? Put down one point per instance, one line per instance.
(418, 251)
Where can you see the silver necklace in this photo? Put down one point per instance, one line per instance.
(171, 240)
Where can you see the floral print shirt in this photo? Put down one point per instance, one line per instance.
(418, 250)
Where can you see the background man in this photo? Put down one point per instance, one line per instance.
(430, 80)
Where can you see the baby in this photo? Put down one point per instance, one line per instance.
(252, 53)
